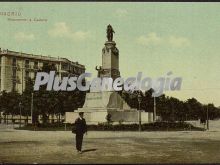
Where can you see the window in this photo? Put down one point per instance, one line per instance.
(26, 63)
(45, 64)
(14, 61)
(64, 74)
(35, 65)
(26, 74)
(64, 66)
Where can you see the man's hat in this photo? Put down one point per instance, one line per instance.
(81, 113)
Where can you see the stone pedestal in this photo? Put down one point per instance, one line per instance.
(96, 116)
(110, 61)
(99, 104)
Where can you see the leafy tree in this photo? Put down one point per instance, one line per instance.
(9, 103)
(195, 108)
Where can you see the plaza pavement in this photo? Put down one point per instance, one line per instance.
(20, 146)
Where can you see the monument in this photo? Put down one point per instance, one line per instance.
(110, 57)
(102, 103)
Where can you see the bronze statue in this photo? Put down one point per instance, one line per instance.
(110, 32)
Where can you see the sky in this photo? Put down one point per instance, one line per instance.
(152, 38)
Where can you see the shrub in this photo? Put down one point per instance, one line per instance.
(157, 126)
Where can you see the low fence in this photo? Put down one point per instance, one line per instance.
(9, 119)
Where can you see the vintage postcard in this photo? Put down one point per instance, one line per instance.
(109, 82)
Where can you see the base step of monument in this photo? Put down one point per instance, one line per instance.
(95, 117)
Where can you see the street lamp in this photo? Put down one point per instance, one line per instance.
(207, 116)
(139, 112)
(20, 115)
(155, 114)
(154, 110)
(32, 97)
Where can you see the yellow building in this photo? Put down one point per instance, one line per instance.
(17, 67)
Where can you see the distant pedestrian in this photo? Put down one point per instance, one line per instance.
(80, 128)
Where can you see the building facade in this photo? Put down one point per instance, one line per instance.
(17, 67)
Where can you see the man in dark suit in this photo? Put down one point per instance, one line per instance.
(80, 129)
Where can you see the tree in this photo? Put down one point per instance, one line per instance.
(195, 108)
(9, 103)
(148, 101)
